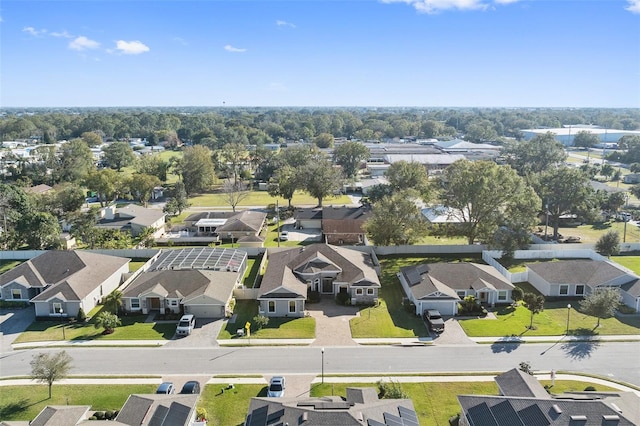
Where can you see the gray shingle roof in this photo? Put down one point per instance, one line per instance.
(245, 221)
(165, 410)
(447, 278)
(517, 383)
(58, 415)
(578, 271)
(74, 273)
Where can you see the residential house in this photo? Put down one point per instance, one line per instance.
(442, 286)
(523, 401)
(59, 283)
(198, 281)
(361, 406)
(329, 270)
(56, 415)
(132, 218)
(343, 225)
(159, 410)
(226, 225)
(308, 218)
(581, 277)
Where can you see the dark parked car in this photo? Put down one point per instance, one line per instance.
(165, 388)
(191, 387)
(434, 320)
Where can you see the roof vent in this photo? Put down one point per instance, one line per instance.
(610, 417)
(578, 418)
(305, 416)
(556, 408)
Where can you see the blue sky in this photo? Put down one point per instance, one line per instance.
(506, 53)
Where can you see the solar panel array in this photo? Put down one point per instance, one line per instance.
(217, 259)
(503, 414)
(407, 417)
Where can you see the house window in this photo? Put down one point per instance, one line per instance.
(272, 306)
(580, 289)
(461, 294)
(370, 292)
(564, 289)
(16, 293)
(56, 308)
(174, 303)
(135, 303)
(502, 295)
(358, 292)
(292, 306)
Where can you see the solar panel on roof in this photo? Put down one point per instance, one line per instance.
(275, 416)
(178, 414)
(480, 415)
(391, 420)
(408, 416)
(259, 416)
(158, 416)
(505, 414)
(533, 416)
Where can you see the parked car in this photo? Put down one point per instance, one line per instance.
(191, 387)
(165, 388)
(284, 236)
(186, 325)
(434, 320)
(276, 387)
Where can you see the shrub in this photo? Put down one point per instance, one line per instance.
(99, 415)
(313, 296)
(201, 414)
(390, 390)
(82, 317)
(108, 415)
(343, 298)
(260, 321)
(589, 389)
(454, 420)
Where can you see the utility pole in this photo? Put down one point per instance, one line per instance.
(278, 220)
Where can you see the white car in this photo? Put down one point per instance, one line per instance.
(284, 236)
(276, 387)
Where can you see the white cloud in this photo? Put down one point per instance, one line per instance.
(634, 6)
(181, 41)
(33, 31)
(435, 6)
(62, 34)
(83, 43)
(285, 24)
(131, 47)
(230, 48)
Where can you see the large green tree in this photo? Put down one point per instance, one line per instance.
(119, 155)
(178, 202)
(75, 161)
(153, 165)
(563, 190)
(284, 183)
(395, 219)
(403, 175)
(484, 196)
(196, 168)
(141, 187)
(536, 155)
(38, 230)
(323, 140)
(350, 155)
(106, 183)
(320, 179)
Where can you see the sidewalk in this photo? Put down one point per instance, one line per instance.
(327, 379)
(404, 341)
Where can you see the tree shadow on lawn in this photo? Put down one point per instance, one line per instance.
(12, 409)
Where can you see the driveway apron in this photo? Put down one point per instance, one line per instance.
(332, 323)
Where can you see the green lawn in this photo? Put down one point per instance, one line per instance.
(6, 265)
(251, 273)
(278, 328)
(25, 402)
(132, 328)
(591, 233)
(229, 407)
(436, 402)
(630, 262)
(390, 318)
(262, 198)
(550, 322)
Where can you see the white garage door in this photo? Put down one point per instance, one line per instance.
(446, 307)
(205, 311)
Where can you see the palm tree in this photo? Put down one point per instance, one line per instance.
(108, 321)
(113, 300)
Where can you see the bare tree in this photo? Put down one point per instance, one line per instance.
(48, 368)
(234, 192)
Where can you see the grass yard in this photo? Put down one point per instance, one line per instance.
(436, 402)
(251, 273)
(390, 319)
(229, 407)
(629, 262)
(278, 328)
(25, 402)
(550, 322)
(134, 265)
(132, 328)
(262, 198)
(591, 233)
(6, 265)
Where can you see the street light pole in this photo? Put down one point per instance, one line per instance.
(568, 313)
(64, 337)
(322, 350)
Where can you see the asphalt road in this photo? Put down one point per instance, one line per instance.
(615, 360)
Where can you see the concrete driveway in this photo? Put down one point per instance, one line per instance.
(332, 323)
(12, 323)
(453, 334)
(203, 335)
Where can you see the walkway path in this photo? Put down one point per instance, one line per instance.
(332, 323)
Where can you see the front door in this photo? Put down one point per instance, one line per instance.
(327, 285)
(483, 297)
(154, 303)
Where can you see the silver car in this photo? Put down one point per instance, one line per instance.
(276, 387)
